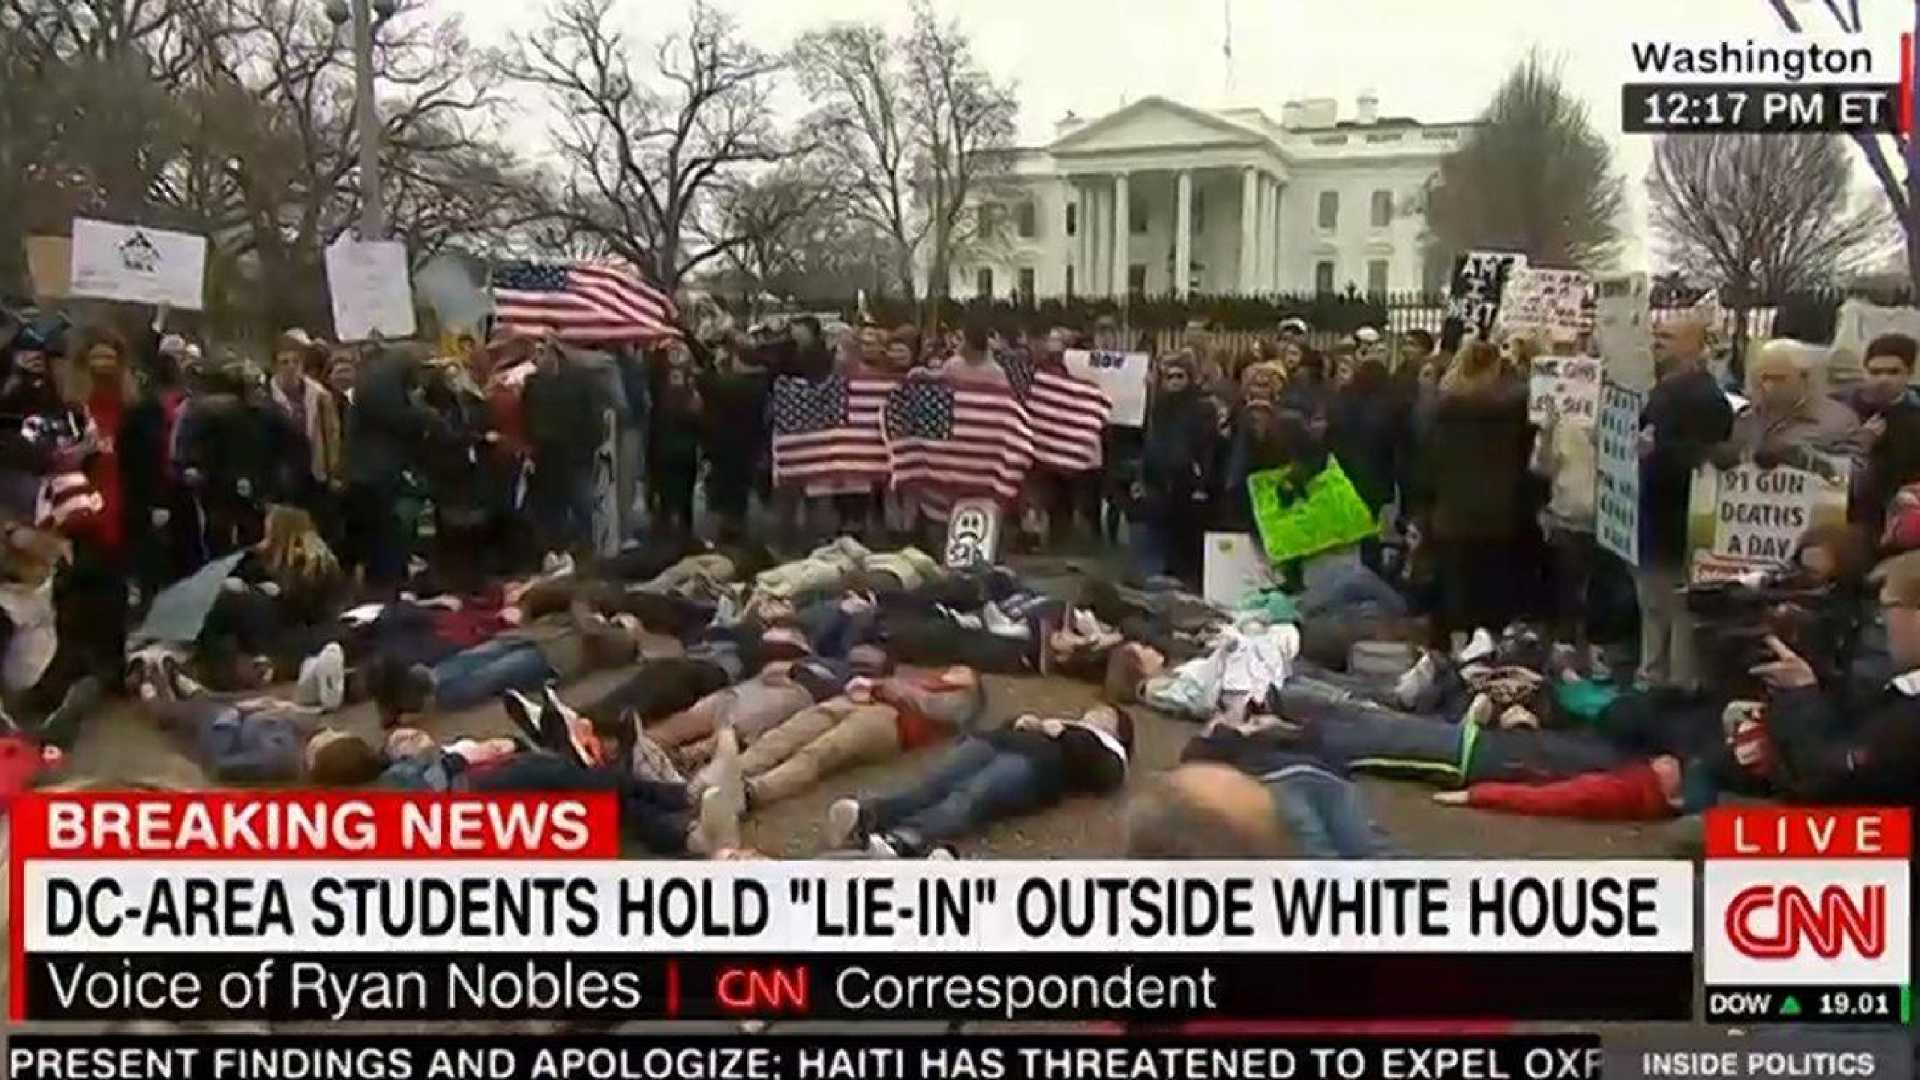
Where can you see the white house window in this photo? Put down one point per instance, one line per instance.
(1199, 211)
(1137, 279)
(1026, 284)
(1073, 219)
(1323, 276)
(1382, 209)
(1329, 209)
(983, 281)
(1070, 282)
(1137, 216)
(1027, 220)
(1377, 276)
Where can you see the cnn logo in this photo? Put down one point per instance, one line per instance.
(1773, 922)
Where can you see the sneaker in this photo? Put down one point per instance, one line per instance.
(306, 688)
(1000, 624)
(323, 679)
(879, 847)
(1417, 681)
(843, 824)
(1519, 718)
(1480, 713)
(941, 854)
(524, 714)
(1480, 646)
(1450, 798)
(1085, 624)
(650, 761)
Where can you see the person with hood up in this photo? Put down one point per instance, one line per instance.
(1175, 474)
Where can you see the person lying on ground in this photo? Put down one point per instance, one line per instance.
(236, 739)
(1648, 790)
(758, 705)
(1324, 813)
(1018, 770)
(873, 721)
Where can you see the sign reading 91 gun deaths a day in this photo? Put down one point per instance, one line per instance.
(1749, 518)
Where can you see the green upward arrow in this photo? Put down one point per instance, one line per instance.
(1790, 1007)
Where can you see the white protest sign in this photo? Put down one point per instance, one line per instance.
(1566, 385)
(1235, 567)
(1858, 323)
(1123, 375)
(1749, 518)
(973, 533)
(368, 282)
(1548, 304)
(1616, 495)
(1479, 277)
(454, 288)
(1623, 330)
(138, 264)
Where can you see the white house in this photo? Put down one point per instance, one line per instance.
(1248, 205)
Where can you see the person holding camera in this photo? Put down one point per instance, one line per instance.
(1812, 746)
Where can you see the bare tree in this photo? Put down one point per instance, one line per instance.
(1760, 215)
(645, 155)
(920, 127)
(1533, 177)
(1900, 185)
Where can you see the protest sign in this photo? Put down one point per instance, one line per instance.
(368, 282)
(1546, 304)
(1568, 386)
(1857, 324)
(1296, 521)
(454, 286)
(1623, 330)
(50, 265)
(1234, 568)
(1122, 375)
(1748, 518)
(138, 264)
(1616, 496)
(973, 534)
(1479, 277)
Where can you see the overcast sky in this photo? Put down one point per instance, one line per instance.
(1434, 60)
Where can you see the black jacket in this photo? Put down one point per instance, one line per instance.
(1866, 756)
(1368, 432)
(1078, 761)
(1476, 465)
(1689, 416)
(565, 424)
(385, 429)
(1179, 456)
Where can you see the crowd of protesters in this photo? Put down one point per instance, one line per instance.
(188, 528)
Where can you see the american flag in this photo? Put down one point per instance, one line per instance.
(828, 432)
(1068, 415)
(587, 302)
(950, 442)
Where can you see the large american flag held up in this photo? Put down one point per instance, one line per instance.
(1069, 415)
(828, 432)
(950, 442)
(584, 302)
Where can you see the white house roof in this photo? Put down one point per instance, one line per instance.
(1155, 120)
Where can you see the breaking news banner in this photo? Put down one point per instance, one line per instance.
(800, 1057)
(344, 907)
(1808, 916)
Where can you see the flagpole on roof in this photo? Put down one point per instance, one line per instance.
(1226, 47)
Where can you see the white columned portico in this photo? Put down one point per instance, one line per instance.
(1274, 234)
(1249, 227)
(1182, 232)
(1122, 233)
(1077, 258)
(1263, 274)
(1270, 278)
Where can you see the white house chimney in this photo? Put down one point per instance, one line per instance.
(1367, 109)
(1291, 114)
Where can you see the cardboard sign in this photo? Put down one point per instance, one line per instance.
(1749, 518)
(1566, 385)
(1858, 323)
(138, 264)
(1623, 331)
(1123, 375)
(973, 534)
(1547, 304)
(368, 283)
(1479, 279)
(50, 264)
(1234, 567)
(453, 286)
(1296, 521)
(1616, 497)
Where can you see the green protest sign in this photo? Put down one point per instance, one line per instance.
(1295, 522)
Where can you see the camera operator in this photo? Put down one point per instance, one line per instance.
(1822, 749)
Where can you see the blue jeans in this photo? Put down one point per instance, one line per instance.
(975, 785)
(475, 676)
(1326, 814)
(562, 498)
